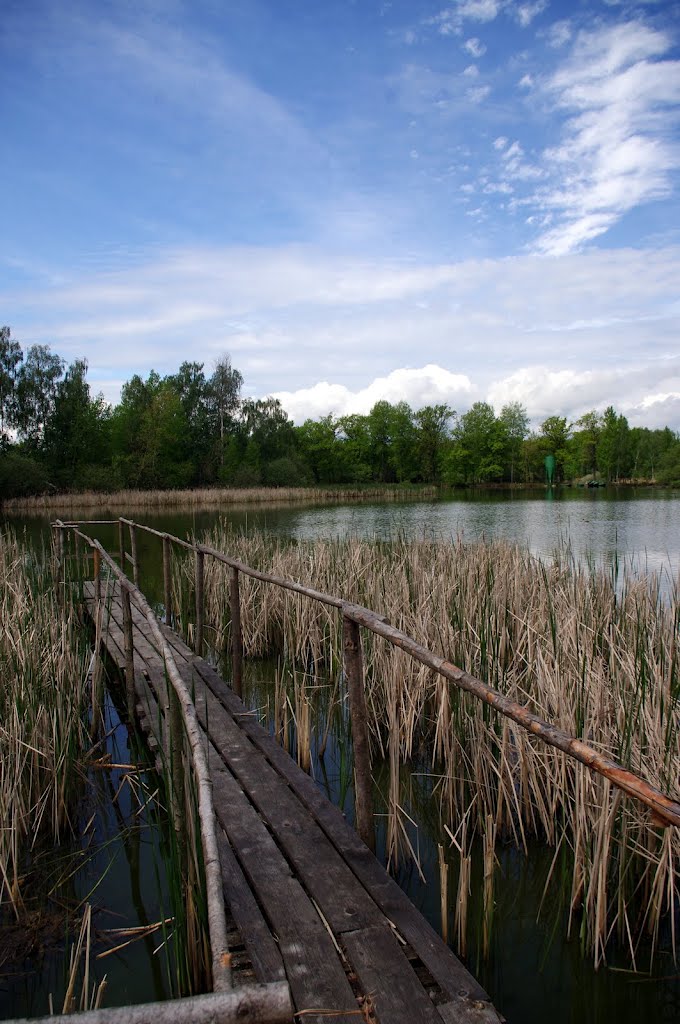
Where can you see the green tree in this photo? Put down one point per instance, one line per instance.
(555, 438)
(10, 359)
(614, 454)
(321, 450)
(432, 424)
(76, 432)
(480, 445)
(224, 391)
(36, 392)
(586, 439)
(515, 421)
(355, 437)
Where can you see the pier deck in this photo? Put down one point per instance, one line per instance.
(309, 903)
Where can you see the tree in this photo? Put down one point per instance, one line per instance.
(225, 390)
(613, 450)
(432, 433)
(76, 430)
(36, 391)
(555, 437)
(480, 446)
(10, 358)
(515, 421)
(195, 396)
(586, 440)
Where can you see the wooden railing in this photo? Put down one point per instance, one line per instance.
(665, 810)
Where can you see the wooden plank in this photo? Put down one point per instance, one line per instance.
(344, 902)
(393, 996)
(262, 950)
(449, 973)
(314, 973)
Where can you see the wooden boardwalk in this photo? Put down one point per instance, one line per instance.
(308, 902)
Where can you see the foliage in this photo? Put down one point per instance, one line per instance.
(188, 429)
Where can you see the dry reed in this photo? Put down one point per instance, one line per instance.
(206, 497)
(43, 702)
(595, 655)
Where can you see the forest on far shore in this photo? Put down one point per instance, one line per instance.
(193, 429)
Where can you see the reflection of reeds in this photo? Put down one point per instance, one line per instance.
(43, 703)
(595, 655)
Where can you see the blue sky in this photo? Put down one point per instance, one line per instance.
(355, 200)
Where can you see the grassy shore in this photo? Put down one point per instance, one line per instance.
(214, 497)
(595, 655)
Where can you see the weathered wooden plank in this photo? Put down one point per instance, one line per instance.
(344, 902)
(314, 973)
(262, 950)
(394, 997)
(453, 978)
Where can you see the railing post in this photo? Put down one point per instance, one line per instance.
(198, 631)
(177, 765)
(129, 651)
(96, 570)
(236, 635)
(167, 579)
(133, 547)
(354, 673)
(121, 544)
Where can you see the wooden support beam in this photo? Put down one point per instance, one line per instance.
(354, 673)
(167, 579)
(200, 602)
(236, 635)
(133, 544)
(129, 652)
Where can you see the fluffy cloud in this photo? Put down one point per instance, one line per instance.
(429, 385)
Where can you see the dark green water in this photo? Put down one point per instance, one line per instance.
(533, 971)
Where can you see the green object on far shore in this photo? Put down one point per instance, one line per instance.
(550, 469)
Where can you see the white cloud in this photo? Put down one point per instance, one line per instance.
(526, 81)
(478, 10)
(471, 71)
(475, 47)
(428, 385)
(293, 316)
(559, 33)
(616, 150)
(525, 13)
(478, 94)
(571, 393)
(500, 143)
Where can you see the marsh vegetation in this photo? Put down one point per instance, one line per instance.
(591, 650)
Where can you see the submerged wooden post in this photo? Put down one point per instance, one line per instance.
(133, 546)
(198, 631)
(167, 579)
(121, 544)
(354, 673)
(129, 651)
(236, 635)
(96, 570)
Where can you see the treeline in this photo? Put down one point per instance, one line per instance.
(191, 429)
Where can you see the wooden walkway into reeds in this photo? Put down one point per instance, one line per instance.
(306, 900)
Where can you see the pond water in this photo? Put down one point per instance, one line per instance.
(533, 970)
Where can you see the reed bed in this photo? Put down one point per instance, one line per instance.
(591, 651)
(207, 497)
(44, 693)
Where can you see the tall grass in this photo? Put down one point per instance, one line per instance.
(44, 691)
(595, 654)
(209, 497)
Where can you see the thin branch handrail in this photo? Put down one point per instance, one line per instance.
(217, 926)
